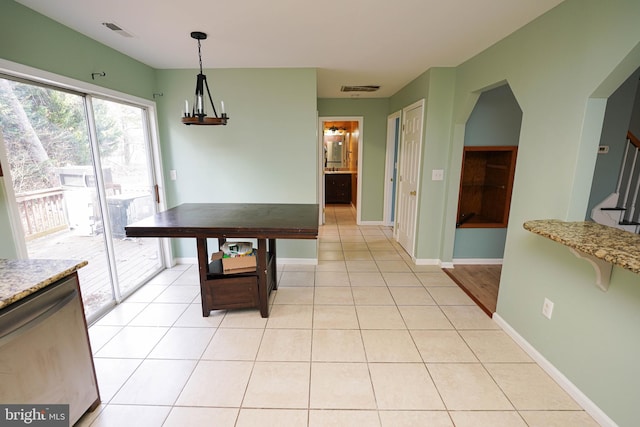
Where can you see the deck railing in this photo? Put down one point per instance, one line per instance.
(42, 212)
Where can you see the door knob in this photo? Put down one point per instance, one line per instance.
(413, 193)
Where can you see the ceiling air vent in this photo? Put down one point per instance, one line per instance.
(365, 88)
(116, 28)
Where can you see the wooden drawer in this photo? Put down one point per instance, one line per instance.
(231, 292)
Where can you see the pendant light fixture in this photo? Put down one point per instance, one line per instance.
(197, 115)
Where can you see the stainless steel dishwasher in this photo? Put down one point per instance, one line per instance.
(45, 356)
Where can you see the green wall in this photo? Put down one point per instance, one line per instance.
(561, 67)
(374, 145)
(37, 41)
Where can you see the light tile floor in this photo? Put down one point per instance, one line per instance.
(365, 338)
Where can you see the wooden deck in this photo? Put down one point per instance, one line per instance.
(137, 260)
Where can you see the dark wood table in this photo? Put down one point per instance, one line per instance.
(265, 222)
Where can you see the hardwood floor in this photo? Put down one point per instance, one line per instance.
(480, 282)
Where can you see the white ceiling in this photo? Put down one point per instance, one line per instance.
(350, 42)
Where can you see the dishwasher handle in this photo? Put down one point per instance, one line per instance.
(45, 313)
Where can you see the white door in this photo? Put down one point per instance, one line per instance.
(409, 174)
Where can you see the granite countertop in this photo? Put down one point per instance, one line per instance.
(19, 278)
(618, 247)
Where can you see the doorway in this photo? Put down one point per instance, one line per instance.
(340, 145)
(81, 169)
(391, 168)
(491, 137)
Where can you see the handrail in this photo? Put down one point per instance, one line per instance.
(634, 139)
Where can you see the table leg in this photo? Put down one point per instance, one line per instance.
(274, 274)
(203, 268)
(263, 284)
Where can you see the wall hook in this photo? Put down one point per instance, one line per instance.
(155, 95)
(93, 75)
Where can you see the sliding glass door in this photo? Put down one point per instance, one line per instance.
(81, 170)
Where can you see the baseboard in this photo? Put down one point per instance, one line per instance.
(426, 261)
(582, 399)
(477, 261)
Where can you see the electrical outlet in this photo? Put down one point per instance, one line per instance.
(437, 174)
(547, 308)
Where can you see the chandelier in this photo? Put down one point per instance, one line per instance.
(197, 115)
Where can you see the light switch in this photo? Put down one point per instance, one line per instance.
(173, 175)
(437, 175)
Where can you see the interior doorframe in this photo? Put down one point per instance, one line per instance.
(394, 125)
(321, 189)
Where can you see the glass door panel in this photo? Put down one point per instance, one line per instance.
(127, 175)
(49, 153)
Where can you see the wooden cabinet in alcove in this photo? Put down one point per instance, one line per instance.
(485, 186)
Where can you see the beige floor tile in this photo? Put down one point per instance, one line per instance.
(372, 295)
(333, 295)
(355, 246)
(272, 418)
(330, 246)
(193, 318)
(231, 379)
(358, 255)
(404, 386)
(424, 317)
(445, 295)
(468, 317)
(361, 266)
(296, 316)
(278, 385)
(415, 419)
(341, 386)
(122, 314)
(370, 278)
(407, 295)
(244, 318)
(234, 344)
(182, 343)
(112, 374)
(558, 419)
(430, 268)
(385, 255)
(100, 335)
(214, 417)
(529, 387)
(148, 292)
(331, 278)
(494, 346)
(293, 345)
(296, 267)
(467, 386)
(379, 317)
(401, 279)
(335, 317)
(155, 382)
(326, 265)
(326, 255)
(393, 266)
(159, 314)
(132, 342)
(390, 346)
(185, 294)
(337, 346)
(294, 295)
(190, 277)
(297, 278)
(442, 347)
(131, 415)
(487, 418)
(337, 417)
(435, 278)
